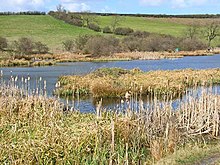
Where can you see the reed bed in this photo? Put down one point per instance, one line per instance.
(10, 59)
(34, 129)
(115, 82)
(23, 62)
(163, 55)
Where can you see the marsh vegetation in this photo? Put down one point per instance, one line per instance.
(35, 129)
(115, 82)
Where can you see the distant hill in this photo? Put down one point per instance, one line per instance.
(53, 32)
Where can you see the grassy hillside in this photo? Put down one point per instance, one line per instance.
(145, 24)
(170, 26)
(41, 28)
(53, 32)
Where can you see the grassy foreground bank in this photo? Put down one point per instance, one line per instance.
(35, 130)
(116, 82)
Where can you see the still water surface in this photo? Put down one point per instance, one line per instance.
(51, 73)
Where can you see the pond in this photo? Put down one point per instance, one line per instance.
(51, 73)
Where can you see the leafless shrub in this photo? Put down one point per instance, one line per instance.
(102, 46)
(69, 45)
(24, 45)
(80, 41)
(192, 44)
(141, 34)
(107, 29)
(123, 31)
(3, 43)
(94, 27)
(40, 47)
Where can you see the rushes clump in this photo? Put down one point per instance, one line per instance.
(115, 82)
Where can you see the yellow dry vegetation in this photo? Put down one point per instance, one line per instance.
(159, 82)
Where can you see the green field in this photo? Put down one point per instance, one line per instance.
(53, 32)
(144, 24)
(170, 26)
(41, 28)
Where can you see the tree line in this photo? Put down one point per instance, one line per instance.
(23, 13)
(101, 45)
(158, 15)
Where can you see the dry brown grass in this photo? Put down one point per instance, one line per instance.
(163, 55)
(51, 59)
(71, 57)
(23, 62)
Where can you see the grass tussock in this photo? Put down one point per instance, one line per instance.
(116, 82)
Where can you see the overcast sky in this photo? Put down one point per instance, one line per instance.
(118, 6)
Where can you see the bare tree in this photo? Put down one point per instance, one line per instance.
(211, 31)
(191, 31)
(116, 20)
(61, 9)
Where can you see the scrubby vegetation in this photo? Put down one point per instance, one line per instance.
(102, 46)
(107, 29)
(123, 31)
(20, 53)
(137, 41)
(24, 45)
(3, 43)
(36, 130)
(94, 27)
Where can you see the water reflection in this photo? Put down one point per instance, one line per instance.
(137, 103)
